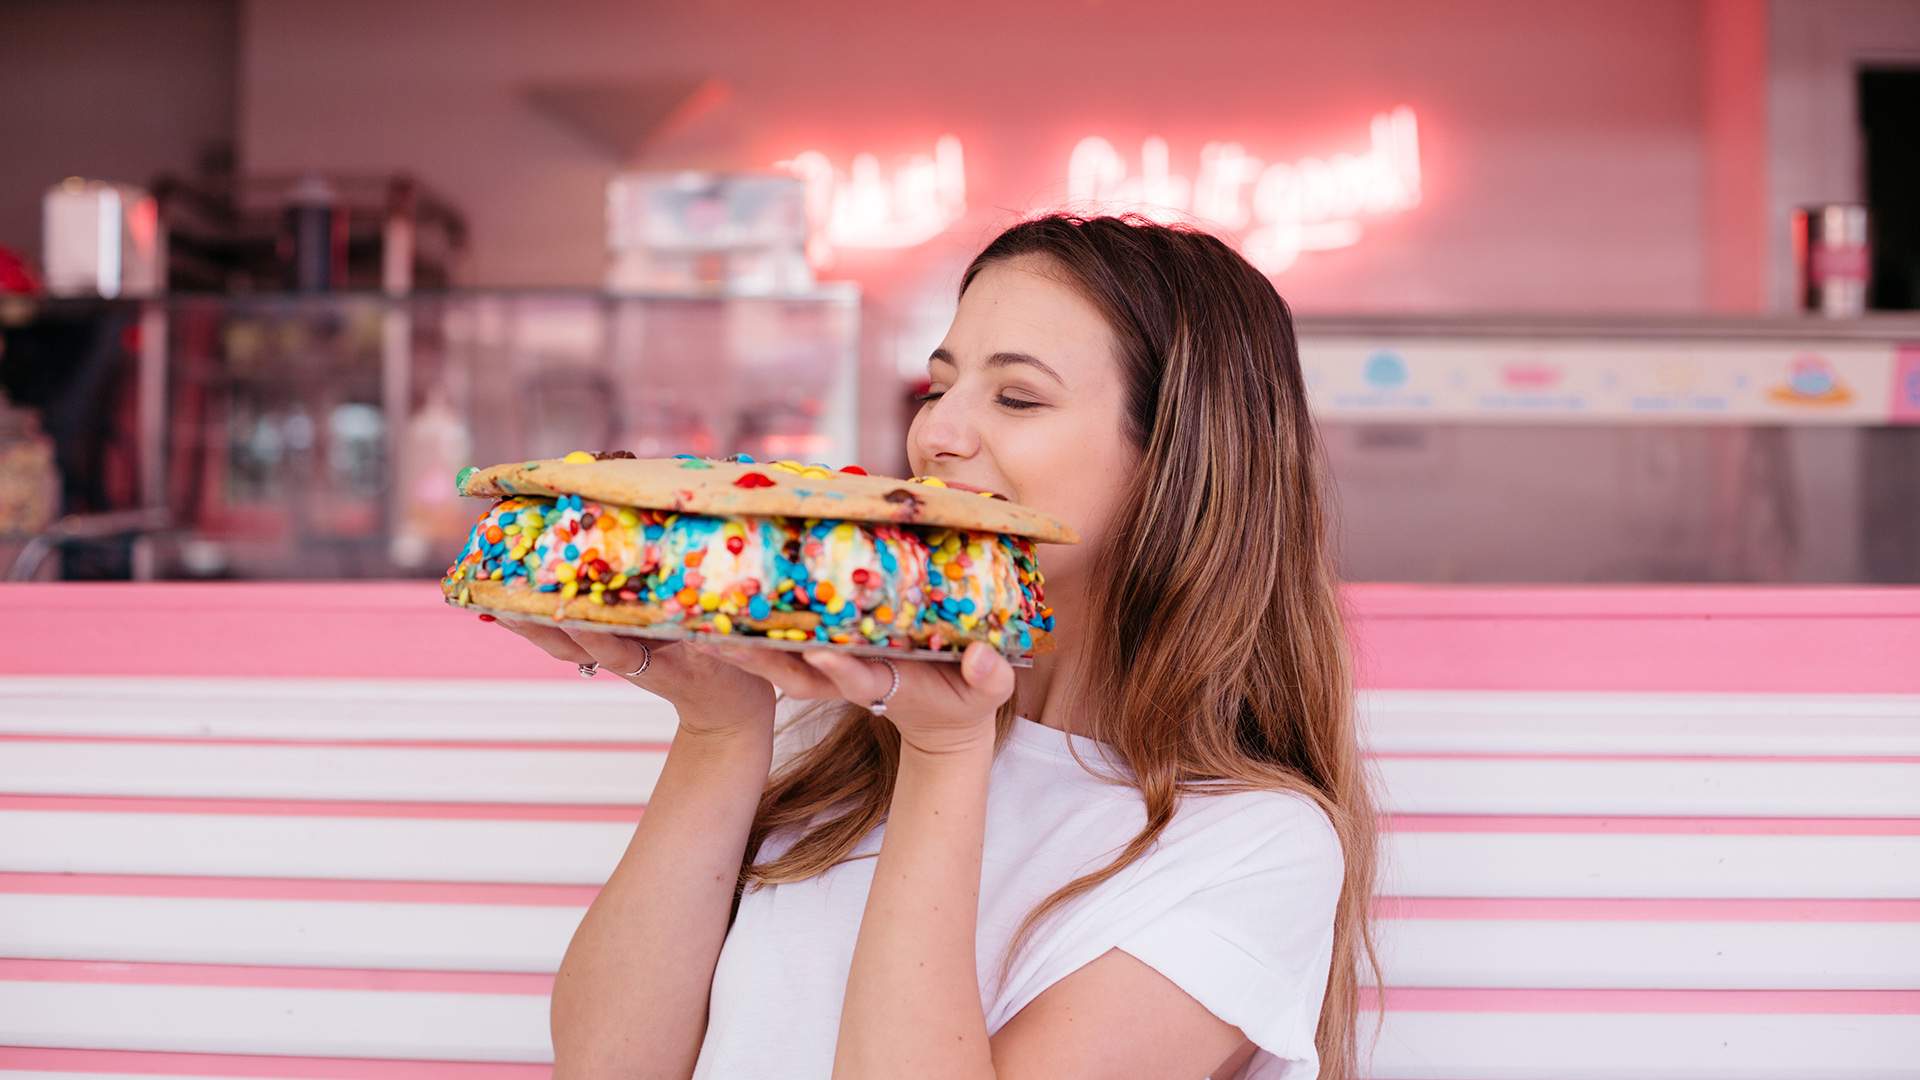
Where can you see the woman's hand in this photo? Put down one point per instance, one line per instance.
(713, 697)
(941, 707)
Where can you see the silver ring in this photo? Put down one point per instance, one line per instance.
(644, 661)
(588, 671)
(879, 708)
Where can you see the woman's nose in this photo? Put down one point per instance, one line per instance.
(944, 430)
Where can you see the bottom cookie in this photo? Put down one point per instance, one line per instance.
(781, 629)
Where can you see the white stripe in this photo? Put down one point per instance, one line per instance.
(1699, 788)
(257, 1020)
(1655, 955)
(1576, 722)
(1398, 721)
(327, 772)
(1696, 788)
(604, 708)
(1650, 865)
(532, 938)
(1624, 1046)
(289, 933)
(565, 852)
(1416, 864)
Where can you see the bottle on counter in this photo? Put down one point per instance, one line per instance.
(1830, 253)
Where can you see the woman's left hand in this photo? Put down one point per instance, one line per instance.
(941, 707)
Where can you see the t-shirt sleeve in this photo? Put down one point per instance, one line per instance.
(798, 724)
(1254, 943)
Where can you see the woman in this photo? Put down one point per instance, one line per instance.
(1150, 855)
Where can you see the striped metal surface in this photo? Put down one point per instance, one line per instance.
(338, 853)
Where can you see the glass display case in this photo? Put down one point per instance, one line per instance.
(292, 436)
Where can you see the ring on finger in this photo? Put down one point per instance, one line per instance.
(646, 658)
(589, 670)
(879, 708)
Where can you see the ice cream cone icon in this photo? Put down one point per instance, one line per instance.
(1811, 380)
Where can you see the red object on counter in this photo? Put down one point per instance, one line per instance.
(16, 277)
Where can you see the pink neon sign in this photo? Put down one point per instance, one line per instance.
(862, 207)
(1280, 209)
(1277, 209)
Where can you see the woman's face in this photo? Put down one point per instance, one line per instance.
(1027, 400)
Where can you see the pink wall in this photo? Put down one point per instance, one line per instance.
(110, 89)
(1734, 69)
(1547, 130)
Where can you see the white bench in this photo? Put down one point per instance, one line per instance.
(327, 868)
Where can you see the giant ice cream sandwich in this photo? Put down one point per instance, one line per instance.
(775, 553)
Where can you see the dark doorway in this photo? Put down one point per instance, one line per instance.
(1890, 127)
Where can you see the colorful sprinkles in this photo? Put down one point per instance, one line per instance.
(787, 578)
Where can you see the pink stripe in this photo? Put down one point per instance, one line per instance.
(630, 812)
(1369, 599)
(125, 804)
(160, 1063)
(311, 630)
(636, 746)
(1610, 909)
(1698, 638)
(389, 744)
(1398, 999)
(534, 895)
(1504, 1000)
(285, 978)
(1777, 759)
(1395, 600)
(1692, 826)
(1711, 638)
(244, 888)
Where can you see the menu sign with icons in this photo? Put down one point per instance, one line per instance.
(1627, 381)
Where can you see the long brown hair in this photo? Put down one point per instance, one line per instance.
(1223, 553)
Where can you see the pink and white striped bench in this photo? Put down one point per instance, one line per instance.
(339, 831)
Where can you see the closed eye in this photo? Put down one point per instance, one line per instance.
(1011, 403)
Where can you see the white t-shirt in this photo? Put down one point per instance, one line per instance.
(1234, 904)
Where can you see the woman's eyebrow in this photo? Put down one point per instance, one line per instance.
(1004, 359)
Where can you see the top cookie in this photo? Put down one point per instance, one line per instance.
(688, 484)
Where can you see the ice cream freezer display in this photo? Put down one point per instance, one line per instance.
(1658, 449)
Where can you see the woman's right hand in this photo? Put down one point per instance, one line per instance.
(711, 696)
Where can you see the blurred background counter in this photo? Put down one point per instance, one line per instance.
(294, 436)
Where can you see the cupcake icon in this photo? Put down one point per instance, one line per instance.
(1811, 380)
(1386, 370)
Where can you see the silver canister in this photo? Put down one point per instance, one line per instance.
(1831, 257)
(101, 239)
